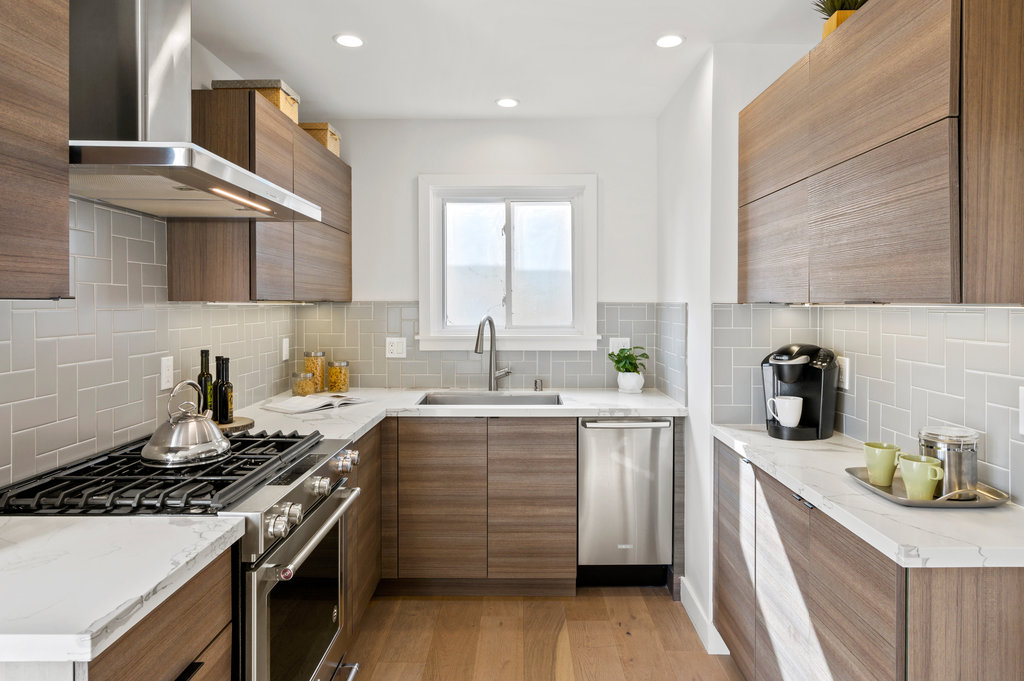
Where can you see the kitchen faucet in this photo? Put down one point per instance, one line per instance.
(492, 375)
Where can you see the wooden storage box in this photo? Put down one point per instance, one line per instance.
(325, 135)
(277, 91)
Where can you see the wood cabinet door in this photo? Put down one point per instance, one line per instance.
(773, 248)
(34, 149)
(857, 603)
(733, 591)
(891, 69)
(362, 550)
(531, 498)
(272, 142)
(324, 179)
(208, 260)
(216, 659)
(389, 498)
(773, 136)
(272, 270)
(884, 227)
(323, 263)
(442, 498)
(222, 124)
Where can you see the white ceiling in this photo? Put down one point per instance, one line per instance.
(454, 58)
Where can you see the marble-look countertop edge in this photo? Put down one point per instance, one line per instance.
(855, 508)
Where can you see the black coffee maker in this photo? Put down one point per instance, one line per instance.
(805, 371)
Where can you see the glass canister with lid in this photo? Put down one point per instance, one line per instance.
(337, 376)
(957, 448)
(316, 364)
(302, 384)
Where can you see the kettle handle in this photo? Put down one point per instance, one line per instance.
(199, 393)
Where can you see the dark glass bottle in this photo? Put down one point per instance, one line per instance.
(205, 380)
(215, 388)
(226, 396)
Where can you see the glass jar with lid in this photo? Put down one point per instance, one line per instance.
(337, 376)
(316, 364)
(302, 384)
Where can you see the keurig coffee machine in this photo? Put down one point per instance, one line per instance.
(806, 372)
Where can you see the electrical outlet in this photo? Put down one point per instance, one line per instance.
(394, 348)
(616, 344)
(166, 373)
(286, 349)
(844, 372)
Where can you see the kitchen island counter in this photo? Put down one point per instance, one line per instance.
(71, 585)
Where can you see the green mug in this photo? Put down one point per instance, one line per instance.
(920, 475)
(881, 462)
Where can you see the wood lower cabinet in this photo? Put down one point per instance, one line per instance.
(733, 593)
(363, 530)
(192, 626)
(773, 247)
(531, 498)
(442, 498)
(389, 498)
(34, 51)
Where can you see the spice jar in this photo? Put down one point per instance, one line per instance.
(302, 384)
(316, 364)
(337, 376)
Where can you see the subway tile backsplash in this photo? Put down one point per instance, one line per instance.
(79, 376)
(910, 367)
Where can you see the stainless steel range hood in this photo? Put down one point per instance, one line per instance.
(131, 120)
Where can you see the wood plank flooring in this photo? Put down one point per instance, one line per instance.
(612, 634)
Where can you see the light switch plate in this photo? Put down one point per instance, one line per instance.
(844, 372)
(286, 349)
(166, 373)
(394, 348)
(616, 344)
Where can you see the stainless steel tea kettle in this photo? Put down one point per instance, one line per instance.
(187, 437)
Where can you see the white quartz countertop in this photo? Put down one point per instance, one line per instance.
(71, 585)
(355, 420)
(913, 537)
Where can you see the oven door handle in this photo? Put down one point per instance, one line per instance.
(283, 573)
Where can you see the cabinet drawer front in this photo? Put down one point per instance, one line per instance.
(773, 247)
(216, 659)
(884, 227)
(891, 69)
(168, 639)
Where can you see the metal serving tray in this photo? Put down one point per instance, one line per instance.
(897, 493)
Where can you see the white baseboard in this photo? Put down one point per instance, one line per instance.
(709, 635)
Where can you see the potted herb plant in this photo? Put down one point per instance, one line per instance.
(836, 12)
(627, 363)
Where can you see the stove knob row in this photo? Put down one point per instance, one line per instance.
(292, 512)
(321, 485)
(277, 526)
(342, 464)
(352, 455)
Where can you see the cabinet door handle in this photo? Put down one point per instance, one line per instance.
(745, 460)
(353, 669)
(191, 670)
(809, 505)
(797, 497)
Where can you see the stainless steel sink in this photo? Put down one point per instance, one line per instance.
(491, 398)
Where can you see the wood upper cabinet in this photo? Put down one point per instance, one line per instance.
(324, 179)
(323, 263)
(208, 260)
(272, 266)
(884, 226)
(531, 498)
(773, 136)
(891, 70)
(442, 498)
(773, 247)
(34, 149)
(733, 593)
(362, 554)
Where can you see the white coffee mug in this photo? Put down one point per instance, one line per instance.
(787, 409)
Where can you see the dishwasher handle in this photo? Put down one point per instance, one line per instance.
(633, 425)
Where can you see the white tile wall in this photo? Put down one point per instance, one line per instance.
(910, 367)
(79, 376)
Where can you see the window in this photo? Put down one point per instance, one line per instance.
(520, 249)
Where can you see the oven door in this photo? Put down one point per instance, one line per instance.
(294, 598)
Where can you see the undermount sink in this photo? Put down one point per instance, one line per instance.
(491, 398)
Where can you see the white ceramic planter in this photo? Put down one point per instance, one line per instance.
(630, 382)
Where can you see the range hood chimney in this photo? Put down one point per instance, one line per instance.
(131, 120)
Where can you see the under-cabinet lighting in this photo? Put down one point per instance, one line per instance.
(507, 102)
(256, 303)
(348, 40)
(239, 199)
(670, 41)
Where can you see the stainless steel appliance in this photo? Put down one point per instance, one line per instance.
(805, 371)
(957, 448)
(290, 490)
(625, 491)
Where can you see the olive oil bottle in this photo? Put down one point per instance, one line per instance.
(205, 380)
(226, 395)
(215, 388)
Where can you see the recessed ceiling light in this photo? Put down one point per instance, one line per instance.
(670, 41)
(507, 102)
(348, 40)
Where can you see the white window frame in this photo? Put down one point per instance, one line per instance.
(580, 189)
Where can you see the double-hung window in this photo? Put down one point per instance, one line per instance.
(521, 250)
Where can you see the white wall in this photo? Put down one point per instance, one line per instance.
(387, 156)
(206, 67)
(697, 189)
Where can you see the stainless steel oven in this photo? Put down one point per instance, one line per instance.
(295, 597)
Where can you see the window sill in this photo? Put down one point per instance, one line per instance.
(536, 343)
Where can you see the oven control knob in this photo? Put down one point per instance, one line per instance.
(293, 512)
(277, 526)
(321, 485)
(352, 455)
(342, 464)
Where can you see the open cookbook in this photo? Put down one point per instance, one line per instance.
(310, 403)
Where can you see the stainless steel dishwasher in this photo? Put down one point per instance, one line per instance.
(625, 491)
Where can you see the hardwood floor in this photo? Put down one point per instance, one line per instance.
(615, 634)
